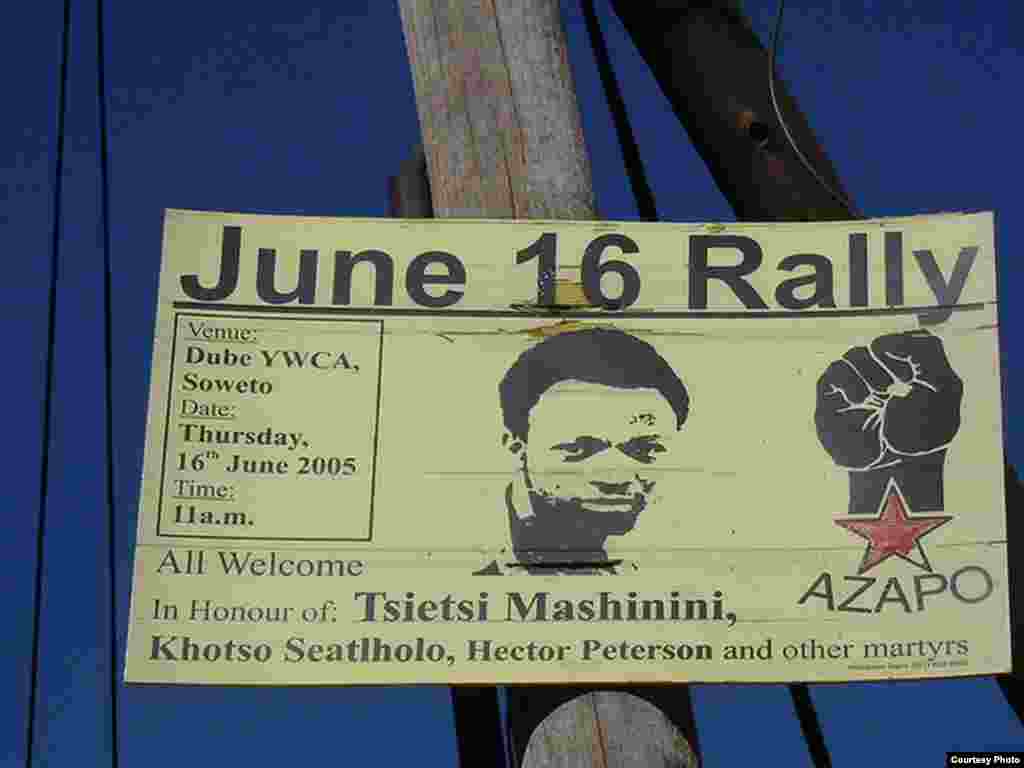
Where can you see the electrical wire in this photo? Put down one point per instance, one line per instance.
(51, 334)
(772, 54)
(108, 391)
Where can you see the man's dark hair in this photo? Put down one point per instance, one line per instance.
(595, 355)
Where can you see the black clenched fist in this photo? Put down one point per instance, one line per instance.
(883, 405)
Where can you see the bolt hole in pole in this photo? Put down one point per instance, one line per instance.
(755, 129)
(759, 133)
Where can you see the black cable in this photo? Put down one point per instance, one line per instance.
(108, 391)
(478, 729)
(810, 726)
(623, 131)
(51, 335)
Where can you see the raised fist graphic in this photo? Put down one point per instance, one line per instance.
(891, 410)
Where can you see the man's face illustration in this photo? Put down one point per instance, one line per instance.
(591, 451)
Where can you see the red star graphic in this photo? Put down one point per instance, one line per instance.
(893, 532)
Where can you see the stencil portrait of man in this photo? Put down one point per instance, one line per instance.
(589, 419)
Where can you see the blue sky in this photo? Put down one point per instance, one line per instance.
(302, 107)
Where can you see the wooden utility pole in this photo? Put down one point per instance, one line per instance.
(498, 114)
(478, 731)
(497, 109)
(605, 724)
(713, 70)
(503, 137)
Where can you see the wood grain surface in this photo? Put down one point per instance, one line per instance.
(606, 729)
(503, 138)
(497, 109)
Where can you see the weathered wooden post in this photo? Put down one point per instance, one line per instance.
(478, 736)
(714, 71)
(503, 138)
(497, 109)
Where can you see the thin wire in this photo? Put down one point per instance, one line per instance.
(772, 53)
(807, 716)
(620, 118)
(51, 334)
(108, 391)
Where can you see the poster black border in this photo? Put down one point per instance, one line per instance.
(167, 423)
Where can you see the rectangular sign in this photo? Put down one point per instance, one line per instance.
(394, 451)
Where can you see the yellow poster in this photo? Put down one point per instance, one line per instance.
(394, 451)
